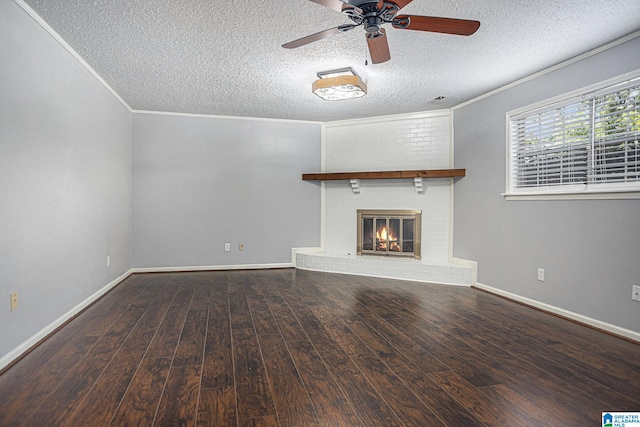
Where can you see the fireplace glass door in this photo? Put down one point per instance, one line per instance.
(389, 232)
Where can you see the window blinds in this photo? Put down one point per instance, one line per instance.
(616, 149)
(581, 141)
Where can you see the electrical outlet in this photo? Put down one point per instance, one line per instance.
(541, 274)
(227, 247)
(241, 247)
(635, 295)
(14, 301)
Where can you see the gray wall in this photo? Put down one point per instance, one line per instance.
(65, 172)
(201, 181)
(590, 249)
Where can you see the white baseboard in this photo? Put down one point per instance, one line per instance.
(212, 268)
(616, 330)
(33, 340)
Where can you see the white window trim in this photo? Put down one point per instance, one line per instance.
(567, 192)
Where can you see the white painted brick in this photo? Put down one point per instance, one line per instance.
(422, 143)
(389, 267)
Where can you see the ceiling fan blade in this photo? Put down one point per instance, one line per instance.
(461, 27)
(318, 36)
(378, 47)
(337, 5)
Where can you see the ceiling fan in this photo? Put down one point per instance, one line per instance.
(372, 14)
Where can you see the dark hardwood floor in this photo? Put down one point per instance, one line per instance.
(299, 348)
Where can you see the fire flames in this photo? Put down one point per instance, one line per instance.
(382, 237)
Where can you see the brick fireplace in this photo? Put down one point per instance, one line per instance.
(409, 142)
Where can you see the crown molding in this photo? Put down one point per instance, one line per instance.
(214, 116)
(558, 66)
(69, 49)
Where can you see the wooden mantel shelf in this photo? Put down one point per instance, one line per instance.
(433, 173)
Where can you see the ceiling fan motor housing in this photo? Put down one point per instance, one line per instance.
(371, 17)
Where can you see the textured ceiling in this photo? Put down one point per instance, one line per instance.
(224, 57)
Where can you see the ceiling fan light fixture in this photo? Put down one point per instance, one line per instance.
(337, 85)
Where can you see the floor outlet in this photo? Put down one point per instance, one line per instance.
(14, 301)
(636, 293)
(227, 247)
(541, 274)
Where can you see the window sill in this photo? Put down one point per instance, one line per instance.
(575, 195)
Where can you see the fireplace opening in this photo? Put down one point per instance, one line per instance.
(389, 232)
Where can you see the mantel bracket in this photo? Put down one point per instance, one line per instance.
(355, 185)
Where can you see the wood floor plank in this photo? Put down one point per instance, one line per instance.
(263, 319)
(140, 403)
(254, 399)
(217, 407)
(595, 382)
(65, 398)
(118, 298)
(619, 352)
(339, 332)
(190, 348)
(163, 344)
(415, 381)
(516, 409)
(217, 367)
(183, 296)
(620, 379)
(21, 373)
(288, 324)
(219, 297)
(469, 371)
(253, 393)
(312, 326)
(201, 296)
(407, 406)
(400, 343)
(372, 339)
(545, 412)
(99, 405)
(21, 395)
(582, 377)
(332, 406)
(145, 330)
(370, 406)
(367, 298)
(532, 382)
(590, 347)
(489, 409)
(290, 396)
(239, 308)
(269, 421)
(179, 402)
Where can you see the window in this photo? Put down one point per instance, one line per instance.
(584, 143)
